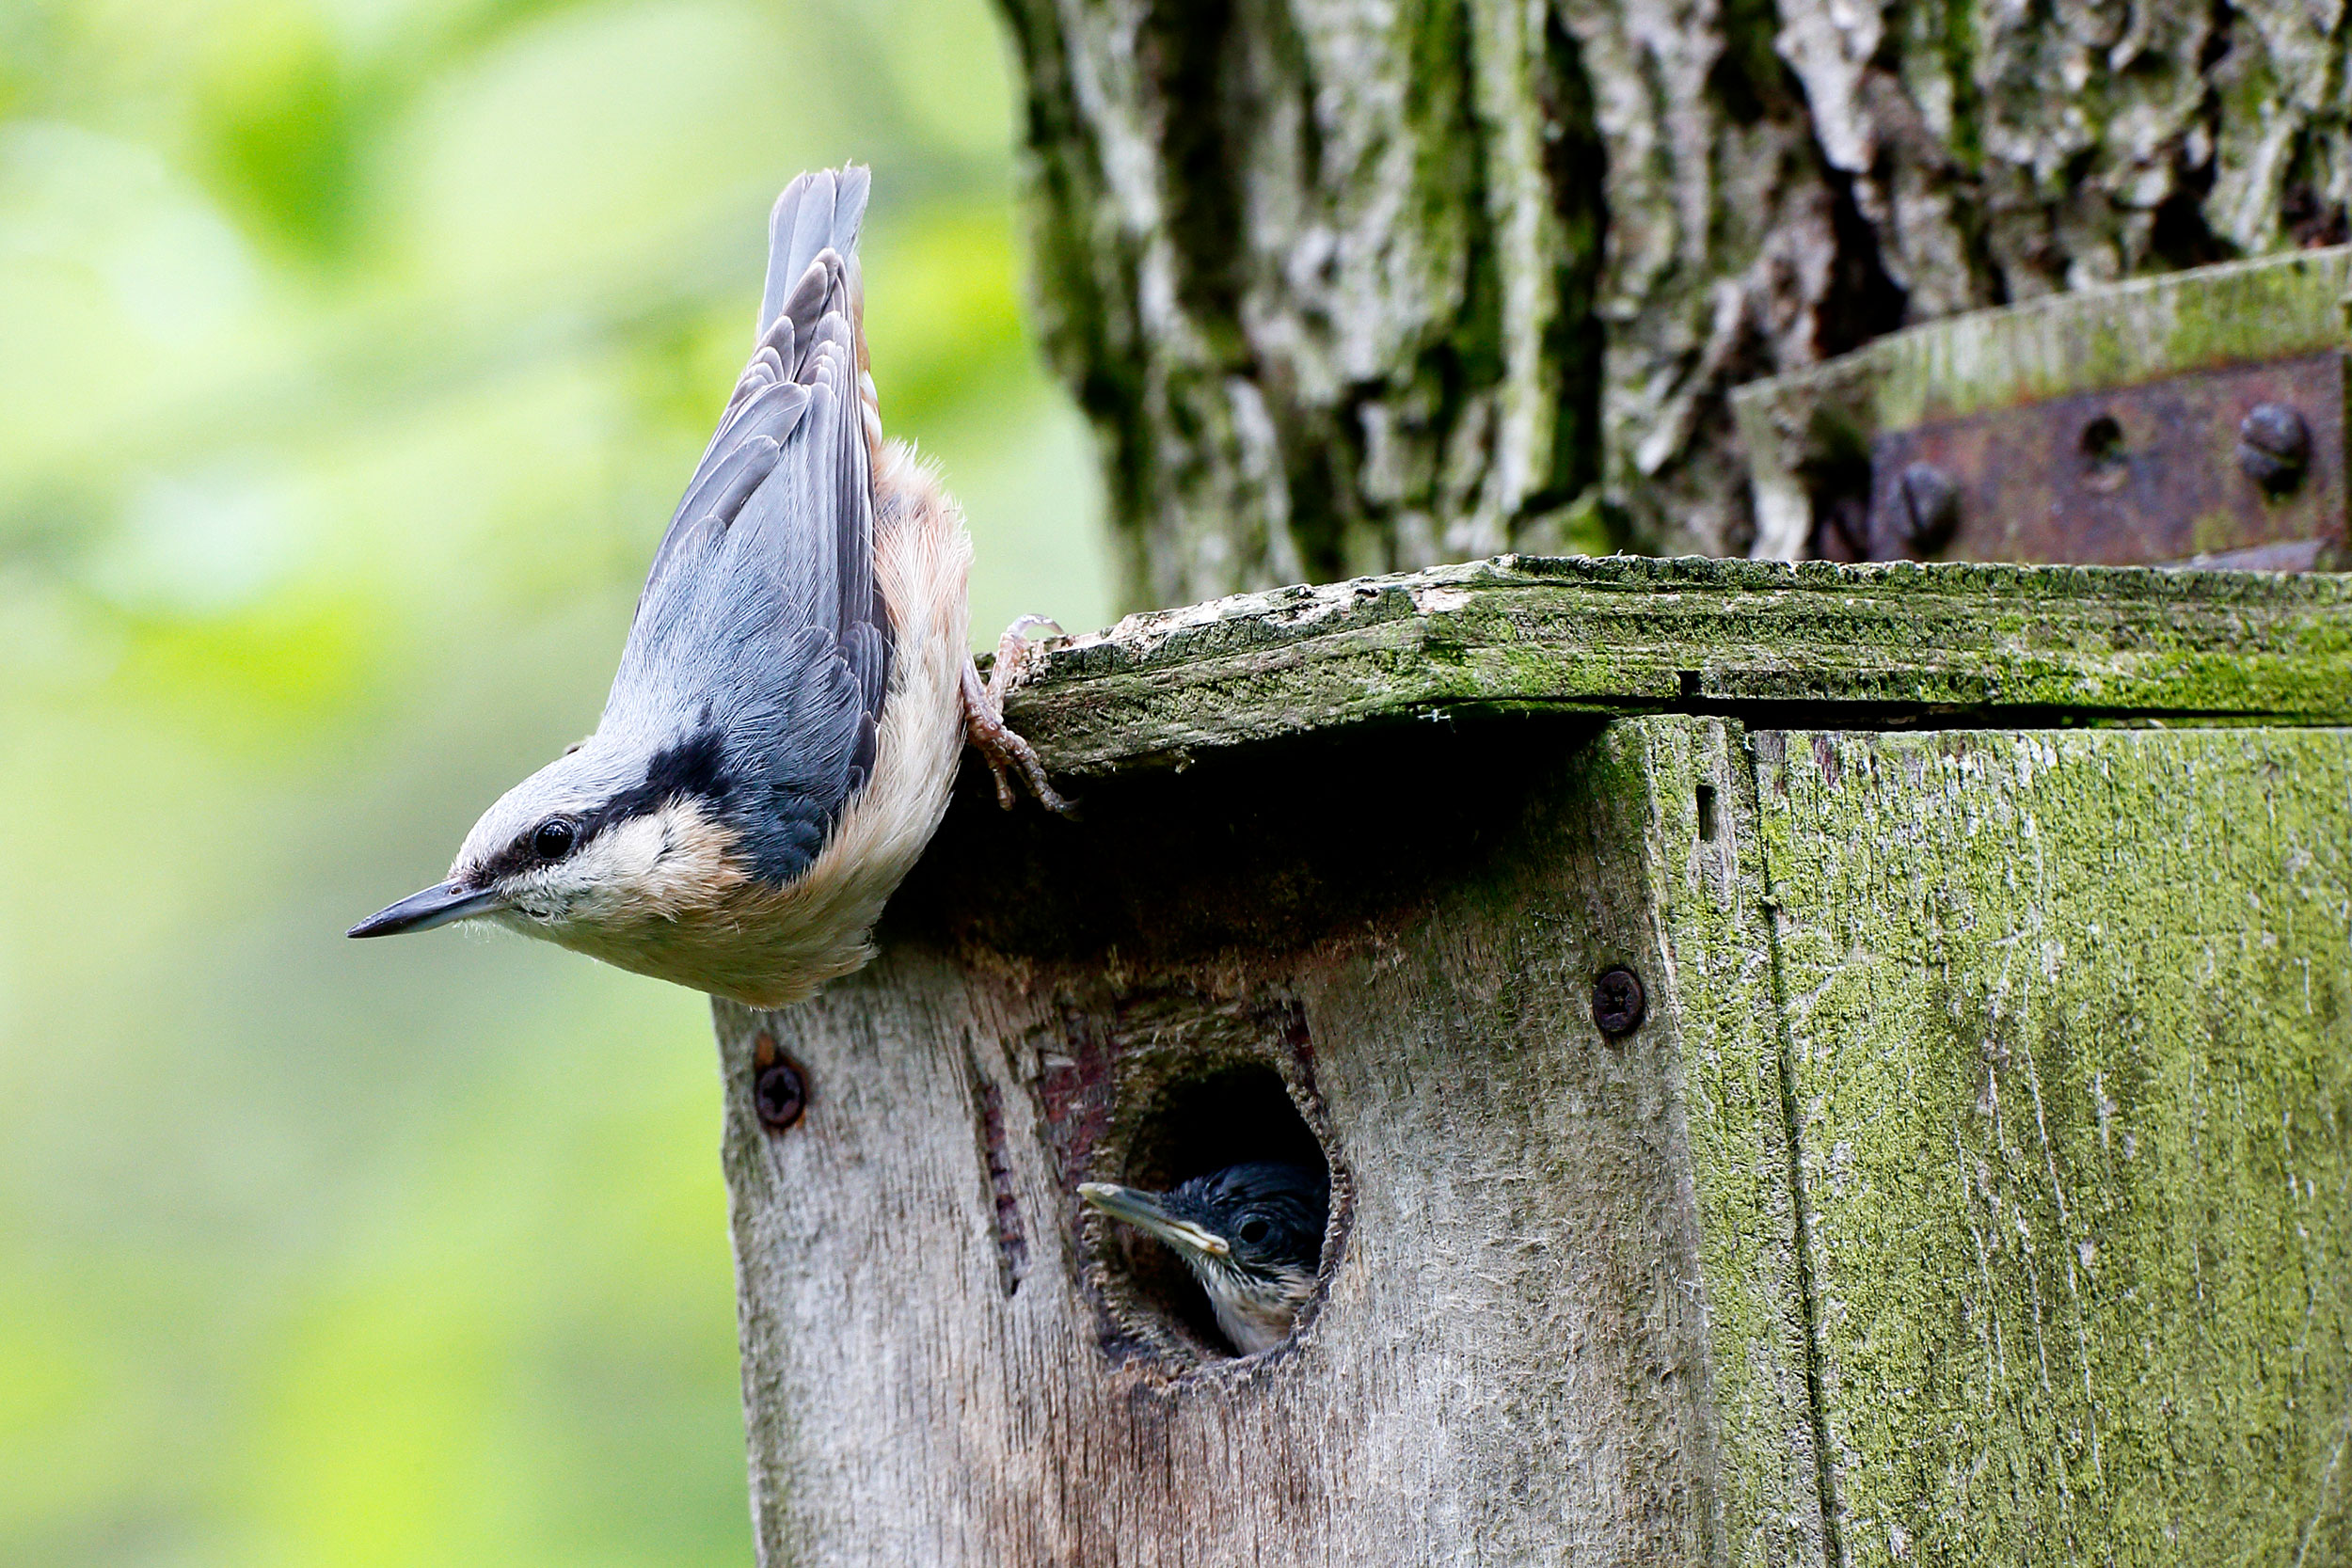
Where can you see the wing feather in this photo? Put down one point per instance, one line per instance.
(761, 618)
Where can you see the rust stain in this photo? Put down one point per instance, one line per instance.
(1825, 758)
(2127, 475)
(1013, 1241)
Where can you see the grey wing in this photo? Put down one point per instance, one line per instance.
(761, 627)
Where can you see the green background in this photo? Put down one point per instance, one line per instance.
(352, 355)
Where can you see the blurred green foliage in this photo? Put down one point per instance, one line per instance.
(352, 355)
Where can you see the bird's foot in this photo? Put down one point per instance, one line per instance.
(1013, 653)
(1006, 754)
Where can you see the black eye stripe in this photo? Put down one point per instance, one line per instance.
(693, 769)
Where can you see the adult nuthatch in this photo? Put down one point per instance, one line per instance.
(1251, 1234)
(796, 690)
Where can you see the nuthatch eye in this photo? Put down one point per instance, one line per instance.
(795, 693)
(1251, 1234)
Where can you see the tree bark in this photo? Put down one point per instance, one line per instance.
(1350, 288)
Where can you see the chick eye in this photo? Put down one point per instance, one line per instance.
(553, 839)
(1252, 1230)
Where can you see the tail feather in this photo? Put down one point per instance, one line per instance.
(820, 211)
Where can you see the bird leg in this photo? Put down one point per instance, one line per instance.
(985, 726)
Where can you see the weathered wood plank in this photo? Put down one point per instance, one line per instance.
(2268, 308)
(2071, 1030)
(1705, 877)
(1516, 1357)
(1592, 1297)
(1620, 635)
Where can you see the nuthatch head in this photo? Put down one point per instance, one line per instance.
(782, 734)
(1251, 1234)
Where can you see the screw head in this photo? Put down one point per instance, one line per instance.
(779, 1092)
(1920, 516)
(1617, 1001)
(1931, 508)
(2274, 447)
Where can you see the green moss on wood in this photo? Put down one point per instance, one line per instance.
(2069, 1016)
(1704, 872)
(2138, 331)
(1623, 635)
(1827, 415)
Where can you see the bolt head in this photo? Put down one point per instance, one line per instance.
(1929, 509)
(1617, 1001)
(2274, 447)
(1920, 516)
(780, 1094)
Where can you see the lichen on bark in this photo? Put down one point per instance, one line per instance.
(1351, 287)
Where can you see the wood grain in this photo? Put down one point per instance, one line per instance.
(1899, 642)
(1976, 1180)
(2071, 1029)
(1512, 1359)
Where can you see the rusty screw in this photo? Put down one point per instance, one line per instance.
(1920, 516)
(1927, 509)
(2274, 447)
(1617, 1001)
(779, 1093)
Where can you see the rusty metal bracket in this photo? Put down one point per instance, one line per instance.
(2198, 416)
(2114, 478)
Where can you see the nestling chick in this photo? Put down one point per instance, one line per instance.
(796, 689)
(1251, 1234)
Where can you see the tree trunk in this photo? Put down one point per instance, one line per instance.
(1358, 288)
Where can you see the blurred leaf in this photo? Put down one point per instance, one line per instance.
(357, 352)
(285, 125)
(942, 308)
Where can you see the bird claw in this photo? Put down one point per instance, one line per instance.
(1007, 754)
(1012, 651)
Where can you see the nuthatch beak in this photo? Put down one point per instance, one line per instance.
(438, 905)
(1148, 1213)
(1251, 1234)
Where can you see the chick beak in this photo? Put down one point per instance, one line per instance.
(1146, 1212)
(421, 911)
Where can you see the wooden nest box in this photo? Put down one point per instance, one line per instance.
(1816, 1065)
